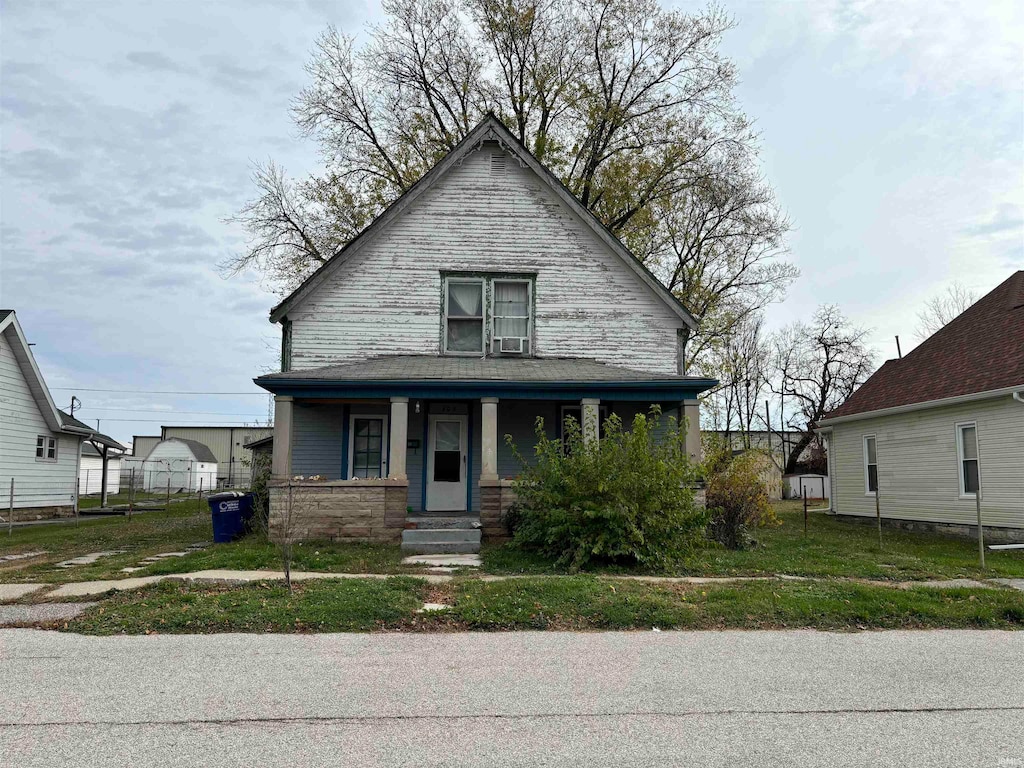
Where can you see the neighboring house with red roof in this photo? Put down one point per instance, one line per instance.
(926, 431)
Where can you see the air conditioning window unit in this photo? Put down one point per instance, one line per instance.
(513, 345)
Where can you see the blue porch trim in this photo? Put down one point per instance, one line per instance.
(344, 441)
(658, 390)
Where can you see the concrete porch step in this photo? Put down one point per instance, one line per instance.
(434, 541)
(442, 548)
(423, 522)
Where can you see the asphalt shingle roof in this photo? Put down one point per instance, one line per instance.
(980, 351)
(437, 368)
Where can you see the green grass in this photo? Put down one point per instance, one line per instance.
(545, 603)
(347, 605)
(154, 532)
(832, 548)
(114, 499)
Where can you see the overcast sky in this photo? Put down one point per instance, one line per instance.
(893, 132)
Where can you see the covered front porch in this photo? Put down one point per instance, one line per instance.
(376, 456)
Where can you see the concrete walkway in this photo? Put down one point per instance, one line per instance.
(11, 592)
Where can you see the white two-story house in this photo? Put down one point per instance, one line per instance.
(485, 297)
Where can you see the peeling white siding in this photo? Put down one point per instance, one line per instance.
(387, 300)
(918, 465)
(36, 483)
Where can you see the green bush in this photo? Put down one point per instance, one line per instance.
(735, 495)
(625, 498)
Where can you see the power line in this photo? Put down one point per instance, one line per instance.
(169, 413)
(156, 392)
(221, 422)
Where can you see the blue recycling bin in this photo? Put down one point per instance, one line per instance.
(231, 512)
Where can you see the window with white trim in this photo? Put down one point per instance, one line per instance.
(870, 466)
(487, 314)
(368, 441)
(46, 448)
(967, 455)
(464, 316)
(510, 313)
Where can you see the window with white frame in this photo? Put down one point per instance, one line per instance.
(367, 455)
(510, 302)
(870, 466)
(967, 453)
(464, 316)
(46, 448)
(487, 314)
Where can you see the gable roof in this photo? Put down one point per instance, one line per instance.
(11, 329)
(489, 129)
(980, 351)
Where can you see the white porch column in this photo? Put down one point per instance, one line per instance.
(281, 461)
(591, 413)
(398, 438)
(489, 439)
(691, 412)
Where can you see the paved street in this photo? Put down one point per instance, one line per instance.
(944, 698)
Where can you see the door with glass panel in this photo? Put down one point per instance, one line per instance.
(446, 463)
(367, 452)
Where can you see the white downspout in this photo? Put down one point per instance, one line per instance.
(1019, 396)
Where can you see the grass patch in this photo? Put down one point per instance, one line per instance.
(832, 548)
(344, 605)
(154, 532)
(116, 499)
(586, 602)
(544, 603)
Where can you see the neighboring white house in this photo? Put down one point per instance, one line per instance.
(90, 472)
(181, 465)
(929, 431)
(40, 446)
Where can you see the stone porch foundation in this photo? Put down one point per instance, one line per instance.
(338, 510)
(495, 499)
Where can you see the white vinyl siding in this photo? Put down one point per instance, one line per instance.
(39, 483)
(388, 299)
(919, 472)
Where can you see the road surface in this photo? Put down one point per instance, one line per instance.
(799, 698)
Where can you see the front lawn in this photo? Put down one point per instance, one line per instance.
(150, 533)
(832, 548)
(545, 603)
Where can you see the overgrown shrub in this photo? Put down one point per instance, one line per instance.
(625, 498)
(258, 487)
(736, 497)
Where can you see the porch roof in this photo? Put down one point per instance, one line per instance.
(522, 378)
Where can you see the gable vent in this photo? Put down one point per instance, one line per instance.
(498, 164)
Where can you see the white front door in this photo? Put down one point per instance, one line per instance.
(446, 464)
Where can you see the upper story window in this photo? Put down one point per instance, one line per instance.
(46, 448)
(487, 313)
(511, 314)
(967, 453)
(464, 316)
(286, 344)
(870, 466)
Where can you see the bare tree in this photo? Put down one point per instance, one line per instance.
(630, 104)
(742, 365)
(816, 367)
(940, 310)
